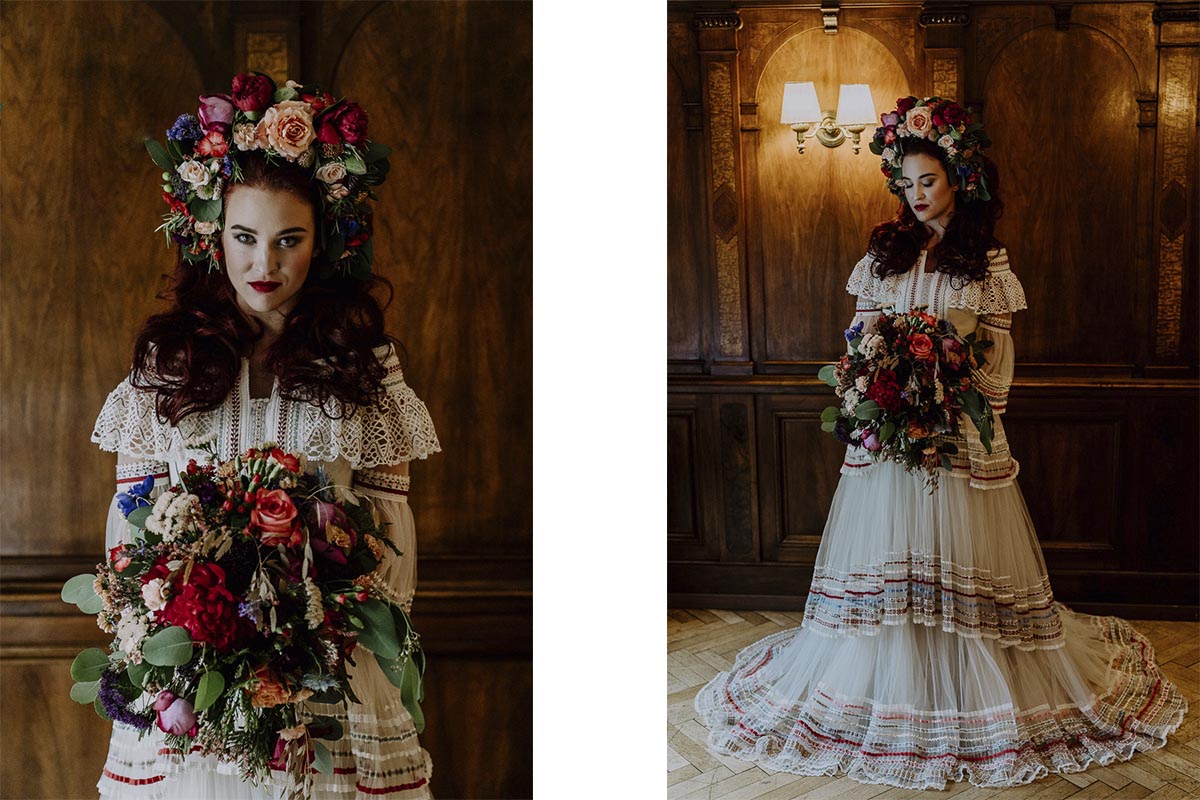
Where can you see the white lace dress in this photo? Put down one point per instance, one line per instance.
(379, 755)
(932, 648)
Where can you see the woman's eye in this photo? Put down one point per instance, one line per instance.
(244, 238)
(288, 241)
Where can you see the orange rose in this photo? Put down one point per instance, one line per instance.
(269, 690)
(274, 515)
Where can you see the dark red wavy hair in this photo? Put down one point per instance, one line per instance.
(962, 253)
(190, 355)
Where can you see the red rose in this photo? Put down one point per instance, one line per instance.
(921, 347)
(903, 104)
(207, 610)
(345, 122)
(275, 516)
(952, 113)
(252, 92)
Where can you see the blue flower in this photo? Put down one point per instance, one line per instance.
(136, 496)
(186, 128)
(227, 169)
(854, 332)
(349, 227)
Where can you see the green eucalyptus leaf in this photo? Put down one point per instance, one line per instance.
(158, 154)
(828, 427)
(79, 589)
(379, 632)
(354, 163)
(887, 431)
(828, 374)
(168, 648)
(284, 93)
(322, 761)
(867, 409)
(376, 152)
(137, 674)
(138, 516)
(205, 210)
(393, 669)
(96, 704)
(830, 414)
(89, 665)
(84, 693)
(212, 683)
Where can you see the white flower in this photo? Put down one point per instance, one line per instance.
(131, 630)
(852, 400)
(207, 228)
(889, 153)
(947, 141)
(194, 173)
(244, 136)
(332, 172)
(211, 190)
(315, 614)
(860, 383)
(154, 593)
(336, 192)
(155, 523)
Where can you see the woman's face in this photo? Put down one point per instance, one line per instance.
(268, 243)
(927, 189)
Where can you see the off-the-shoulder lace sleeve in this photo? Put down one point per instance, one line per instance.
(864, 284)
(397, 429)
(998, 293)
(129, 424)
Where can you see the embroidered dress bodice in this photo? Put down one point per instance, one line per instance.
(380, 753)
(984, 306)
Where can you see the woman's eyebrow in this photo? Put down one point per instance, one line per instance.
(281, 233)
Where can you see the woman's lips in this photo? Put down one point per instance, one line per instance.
(265, 286)
(920, 206)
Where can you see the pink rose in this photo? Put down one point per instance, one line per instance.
(890, 119)
(345, 122)
(288, 127)
(871, 442)
(252, 92)
(175, 715)
(889, 135)
(919, 121)
(275, 516)
(216, 112)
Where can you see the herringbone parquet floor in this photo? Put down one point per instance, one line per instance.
(702, 643)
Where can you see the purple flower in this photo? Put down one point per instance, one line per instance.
(891, 118)
(216, 113)
(185, 129)
(116, 704)
(227, 166)
(871, 441)
(175, 715)
(250, 611)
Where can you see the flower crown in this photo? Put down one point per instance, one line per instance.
(944, 122)
(297, 123)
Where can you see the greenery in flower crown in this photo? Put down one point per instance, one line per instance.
(943, 122)
(294, 123)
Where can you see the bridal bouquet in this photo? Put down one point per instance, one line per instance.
(905, 384)
(243, 593)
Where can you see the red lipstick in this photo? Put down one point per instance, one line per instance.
(266, 287)
(918, 207)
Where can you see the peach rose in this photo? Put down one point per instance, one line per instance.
(274, 515)
(921, 347)
(269, 690)
(288, 127)
(919, 121)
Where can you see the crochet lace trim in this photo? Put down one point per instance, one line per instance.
(397, 429)
(997, 293)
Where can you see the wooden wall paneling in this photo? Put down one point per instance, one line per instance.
(734, 420)
(1176, 207)
(455, 239)
(798, 468)
(811, 213)
(689, 276)
(717, 45)
(692, 499)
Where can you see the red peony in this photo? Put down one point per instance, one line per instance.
(885, 391)
(252, 92)
(953, 113)
(207, 610)
(346, 122)
(904, 104)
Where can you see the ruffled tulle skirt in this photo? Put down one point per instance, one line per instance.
(378, 756)
(932, 650)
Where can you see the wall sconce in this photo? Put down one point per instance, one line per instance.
(855, 111)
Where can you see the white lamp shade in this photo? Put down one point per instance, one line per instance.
(800, 103)
(855, 106)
